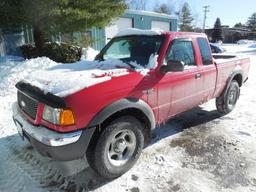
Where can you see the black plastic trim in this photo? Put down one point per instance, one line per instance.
(36, 93)
(231, 77)
(67, 152)
(121, 105)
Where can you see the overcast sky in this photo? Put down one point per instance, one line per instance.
(230, 12)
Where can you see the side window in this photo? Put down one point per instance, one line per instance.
(205, 51)
(181, 50)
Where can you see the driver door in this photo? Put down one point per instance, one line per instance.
(180, 91)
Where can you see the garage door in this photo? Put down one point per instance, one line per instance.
(165, 26)
(116, 26)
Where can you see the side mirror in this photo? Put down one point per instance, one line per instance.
(172, 65)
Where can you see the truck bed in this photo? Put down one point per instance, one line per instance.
(224, 58)
(226, 64)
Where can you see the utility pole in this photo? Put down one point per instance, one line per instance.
(206, 10)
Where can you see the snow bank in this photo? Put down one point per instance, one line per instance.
(10, 58)
(245, 41)
(132, 31)
(89, 54)
(14, 69)
(253, 46)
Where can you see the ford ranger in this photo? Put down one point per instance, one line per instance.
(106, 110)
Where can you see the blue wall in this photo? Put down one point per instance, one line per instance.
(98, 36)
(140, 21)
(144, 21)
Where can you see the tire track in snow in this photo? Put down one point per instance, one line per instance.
(23, 170)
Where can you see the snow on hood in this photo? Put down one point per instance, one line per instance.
(65, 79)
(132, 31)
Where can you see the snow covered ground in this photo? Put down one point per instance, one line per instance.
(198, 151)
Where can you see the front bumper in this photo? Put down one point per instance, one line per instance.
(58, 146)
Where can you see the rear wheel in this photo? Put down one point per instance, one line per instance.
(118, 147)
(226, 103)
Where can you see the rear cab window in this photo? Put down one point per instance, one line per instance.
(205, 51)
(181, 50)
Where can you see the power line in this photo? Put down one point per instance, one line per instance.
(206, 10)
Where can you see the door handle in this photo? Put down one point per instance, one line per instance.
(198, 76)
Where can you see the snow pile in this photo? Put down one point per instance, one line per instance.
(245, 49)
(245, 41)
(253, 46)
(89, 54)
(132, 31)
(242, 42)
(10, 58)
(14, 69)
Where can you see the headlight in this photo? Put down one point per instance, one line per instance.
(62, 117)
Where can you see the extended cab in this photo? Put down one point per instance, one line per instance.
(111, 117)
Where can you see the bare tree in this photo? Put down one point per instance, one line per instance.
(163, 8)
(136, 4)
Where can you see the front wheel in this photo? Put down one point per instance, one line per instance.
(226, 103)
(118, 147)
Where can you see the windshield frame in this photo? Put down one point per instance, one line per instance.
(104, 50)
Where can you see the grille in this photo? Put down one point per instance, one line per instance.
(27, 104)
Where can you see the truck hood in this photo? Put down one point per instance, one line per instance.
(65, 79)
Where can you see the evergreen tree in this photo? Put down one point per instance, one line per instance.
(186, 18)
(217, 34)
(251, 23)
(240, 25)
(163, 8)
(48, 17)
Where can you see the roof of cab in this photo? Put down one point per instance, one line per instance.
(133, 31)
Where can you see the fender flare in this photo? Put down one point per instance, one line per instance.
(121, 105)
(237, 71)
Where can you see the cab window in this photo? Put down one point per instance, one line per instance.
(181, 50)
(205, 51)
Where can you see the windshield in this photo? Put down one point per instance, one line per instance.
(131, 49)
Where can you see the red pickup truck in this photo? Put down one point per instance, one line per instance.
(109, 122)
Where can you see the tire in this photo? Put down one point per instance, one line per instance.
(117, 148)
(227, 103)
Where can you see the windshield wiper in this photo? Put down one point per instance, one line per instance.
(131, 65)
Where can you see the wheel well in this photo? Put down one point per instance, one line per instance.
(136, 113)
(239, 79)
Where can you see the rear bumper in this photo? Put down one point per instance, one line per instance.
(58, 146)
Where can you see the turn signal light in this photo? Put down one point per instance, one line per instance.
(67, 117)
